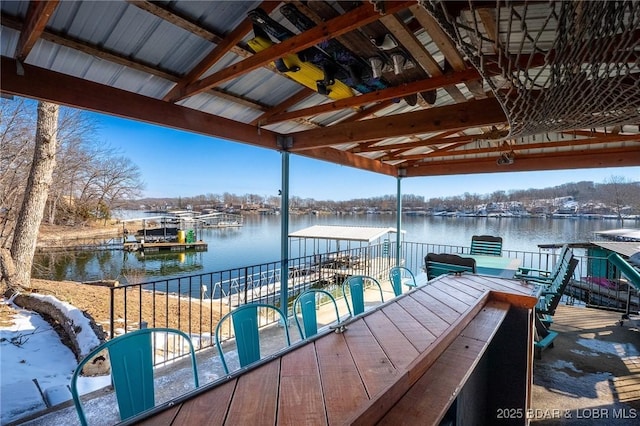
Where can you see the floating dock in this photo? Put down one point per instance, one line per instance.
(165, 246)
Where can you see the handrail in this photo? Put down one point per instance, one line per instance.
(194, 303)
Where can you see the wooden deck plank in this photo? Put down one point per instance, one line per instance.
(395, 344)
(429, 398)
(445, 312)
(165, 417)
(256, 393)
(447, 299)
(464, 287)
(450, 289)
(341, 382)
(376, 408)
(374, 366)
(509, 286)
(487, 322)
(301, 400)
(418, 335)
(210, 407)
(432, 322)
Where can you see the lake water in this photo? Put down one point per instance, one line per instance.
(258, 241)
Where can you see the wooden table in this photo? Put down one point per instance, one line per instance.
(416, 358)
(498, 266)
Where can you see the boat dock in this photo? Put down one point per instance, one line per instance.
(164, 246)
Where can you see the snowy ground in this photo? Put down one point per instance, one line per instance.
(30, 352)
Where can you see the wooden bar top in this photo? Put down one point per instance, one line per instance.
(359, 375)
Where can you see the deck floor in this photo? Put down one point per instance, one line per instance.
(592, 374)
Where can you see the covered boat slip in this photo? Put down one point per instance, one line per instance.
(458, 348)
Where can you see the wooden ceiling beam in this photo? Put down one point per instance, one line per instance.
(378, 95)
(362, 15)
(101, 53)
(172, 17)
(292, 100)
(447, 47)
(471, 114)
(232, 39)
(38, 15)
(409, 41)
(362, 114)
(446, 152)
(346, 158)
(577, 159)
(63, 89)
(425, 142)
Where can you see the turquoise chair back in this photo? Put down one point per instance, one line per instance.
(486, 244)
(437, 264)
(307, 302)
(399, 275)
(355, 284)
(246, 331)
(131, 360)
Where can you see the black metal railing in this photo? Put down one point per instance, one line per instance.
(195, 303)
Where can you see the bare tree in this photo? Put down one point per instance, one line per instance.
(18, 272)
(620, 193)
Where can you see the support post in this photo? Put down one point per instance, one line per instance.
(284, 235)
(398, 218)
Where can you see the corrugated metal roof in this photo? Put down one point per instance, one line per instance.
(146, 49)
(342, 233)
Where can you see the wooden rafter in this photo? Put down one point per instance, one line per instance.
(367, 112)
(38, 15)
(349, 21)
(446, 46)
(563, 143)
(575, 159)
(345, 158)
(76, 92)
(171, 16)
(451, 117)
(232, 39)
(411, 44)
(299, 96)
(436, 141)
(379, 95)
(127, 61)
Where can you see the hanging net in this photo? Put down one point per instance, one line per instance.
(553, 66)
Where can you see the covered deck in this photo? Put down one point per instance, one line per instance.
(474, 88)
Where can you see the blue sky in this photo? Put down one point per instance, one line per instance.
(180, 164)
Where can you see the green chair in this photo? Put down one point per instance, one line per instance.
(399, 275)
(246, 331)
(486, 244)
(542, 276)
(131, 358)
(356, 286)
(308, 302)
(445, 263)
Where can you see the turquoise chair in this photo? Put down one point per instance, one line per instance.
(355, 284)
(246, 332)
(399, 275)
(307, 302)
(131, 358)
(486, 244)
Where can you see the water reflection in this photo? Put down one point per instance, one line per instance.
(258, 241)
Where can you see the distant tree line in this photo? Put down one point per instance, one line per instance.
(616, 192)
